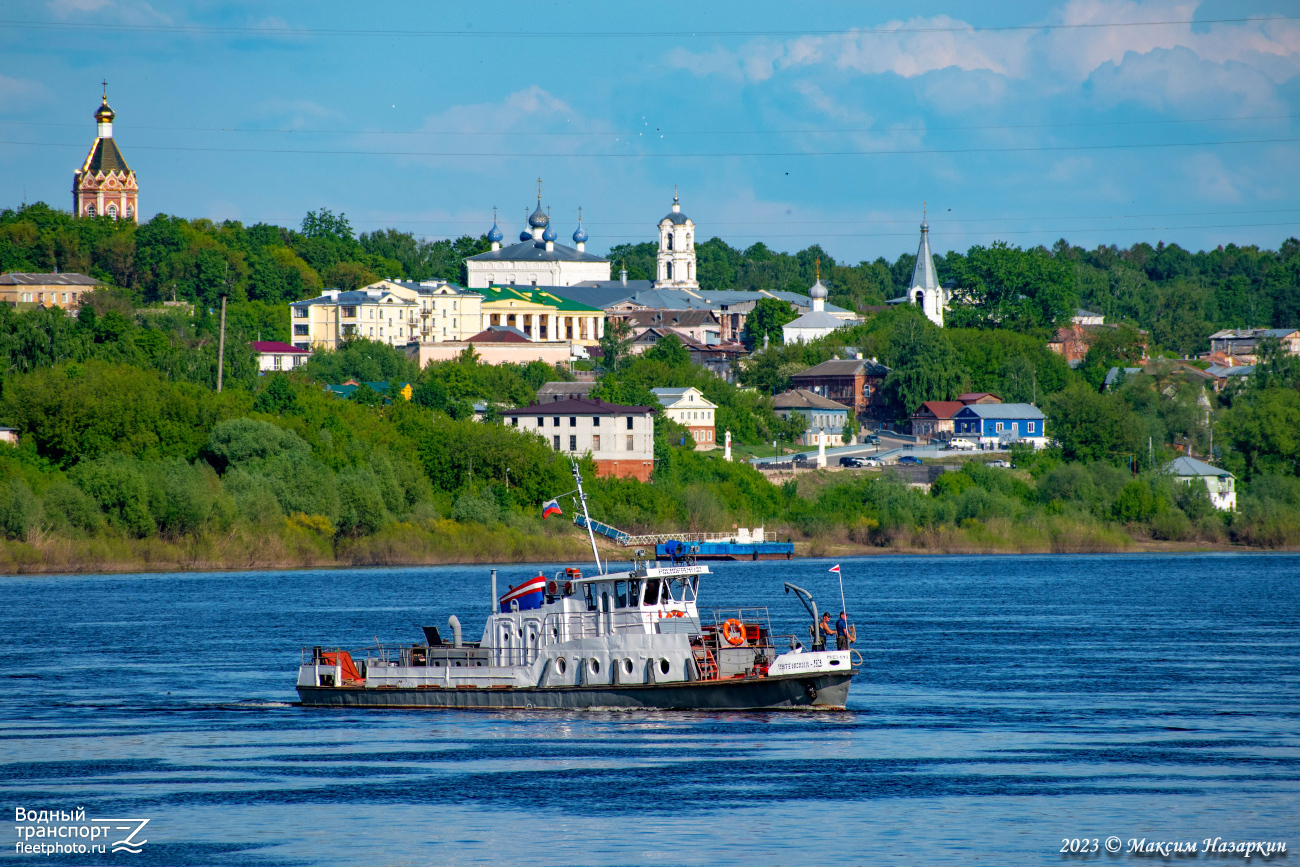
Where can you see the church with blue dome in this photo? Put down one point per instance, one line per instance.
(537, 259)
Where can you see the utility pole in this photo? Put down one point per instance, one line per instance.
(221, 340)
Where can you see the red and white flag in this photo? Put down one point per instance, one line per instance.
(835, 568)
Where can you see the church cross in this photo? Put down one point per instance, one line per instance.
(818, 264)
(539, 190)
(105, 83)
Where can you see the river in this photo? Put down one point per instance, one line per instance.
(1006, 704)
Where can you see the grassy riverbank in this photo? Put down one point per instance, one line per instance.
(297, 545)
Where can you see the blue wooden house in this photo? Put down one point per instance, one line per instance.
(993, 424)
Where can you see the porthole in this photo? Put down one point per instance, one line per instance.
(627, 666)
(561, 665)
(665, 666)
(595, 666)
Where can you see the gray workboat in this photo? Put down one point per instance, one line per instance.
(628, 639)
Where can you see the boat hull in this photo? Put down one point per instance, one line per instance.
(828, 691)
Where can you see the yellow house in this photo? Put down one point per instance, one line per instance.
(540, 315)
(447, 312)
(396, 312)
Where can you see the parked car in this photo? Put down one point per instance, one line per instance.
(870, 439)
(960, 444)
(909, 460)
(800, 457)
(872, 462)
(1007, 465)
(851, 461)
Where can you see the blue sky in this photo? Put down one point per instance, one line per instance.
(791, 123)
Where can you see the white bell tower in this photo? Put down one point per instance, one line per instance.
(926, 292)
(676, 258)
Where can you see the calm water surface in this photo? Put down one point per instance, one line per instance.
(1006, 703)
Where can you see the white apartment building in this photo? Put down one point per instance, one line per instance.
(621, 439)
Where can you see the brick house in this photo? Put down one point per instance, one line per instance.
(1074, 340)
(691, 408)
(853, 382)
(621, 439)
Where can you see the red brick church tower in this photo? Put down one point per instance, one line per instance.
(105, 184)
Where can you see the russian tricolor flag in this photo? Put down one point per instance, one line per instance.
(550, 507)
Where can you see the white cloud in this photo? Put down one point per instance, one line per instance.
(1211, 180)
(18, 93)
(116, 11)
(1169, 65)
(295, 113)
(495, 127)
(1170, 80)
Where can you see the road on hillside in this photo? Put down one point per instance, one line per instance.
(890, 449)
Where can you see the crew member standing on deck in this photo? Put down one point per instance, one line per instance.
(842, 632)
(824, 629)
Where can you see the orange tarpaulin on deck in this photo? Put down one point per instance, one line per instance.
(343, 658)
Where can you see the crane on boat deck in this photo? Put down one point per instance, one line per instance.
(741, 544)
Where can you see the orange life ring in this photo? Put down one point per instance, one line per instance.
(734, 631)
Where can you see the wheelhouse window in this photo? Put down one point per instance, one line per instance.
(620, 594)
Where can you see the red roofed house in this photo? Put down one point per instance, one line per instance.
(272, 355)
(499, 334)
(933, 419)
(621, 439)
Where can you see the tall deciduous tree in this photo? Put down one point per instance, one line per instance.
(766, 319)
(924, 366)
(1006, 287)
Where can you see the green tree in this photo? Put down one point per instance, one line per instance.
(669, 350)
(924, 367)
(1002, 286)
(1092, 426)
(364, 395)
(614, 343)
(766, 319)
(1261, 433)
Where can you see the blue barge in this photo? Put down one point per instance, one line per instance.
(728, 550)
(739, 545)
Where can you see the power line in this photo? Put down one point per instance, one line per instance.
(679, 155)
(797, 131)
(597, 34)
(935, 222)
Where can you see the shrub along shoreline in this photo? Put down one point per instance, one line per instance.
(297, 545)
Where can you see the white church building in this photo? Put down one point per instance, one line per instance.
(817, 322)
(537, 260)
(925, 291)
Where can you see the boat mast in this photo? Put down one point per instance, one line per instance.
(586, 519)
